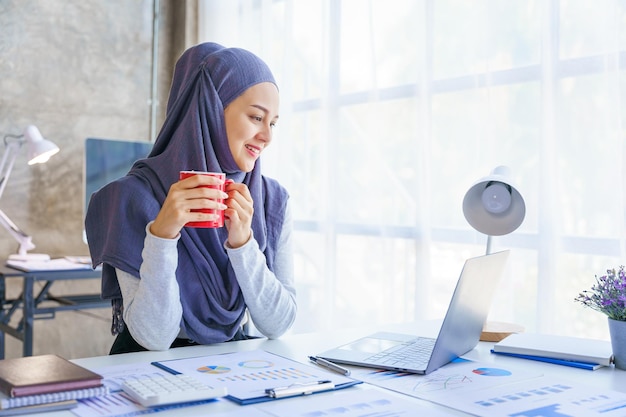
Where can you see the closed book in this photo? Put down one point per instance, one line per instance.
(557, 347)
(44, 374)
(52, 397)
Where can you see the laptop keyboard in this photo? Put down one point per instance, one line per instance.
(412, 354)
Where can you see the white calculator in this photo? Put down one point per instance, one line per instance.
(154, 390)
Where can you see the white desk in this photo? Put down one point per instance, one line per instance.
(298, 347)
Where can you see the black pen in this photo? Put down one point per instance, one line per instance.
(326, 364)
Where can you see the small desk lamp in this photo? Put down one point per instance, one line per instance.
(494, 206)
(39, 151)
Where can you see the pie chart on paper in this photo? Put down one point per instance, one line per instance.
(213, 369)
(491, 372)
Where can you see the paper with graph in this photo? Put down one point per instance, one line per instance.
(247, 375)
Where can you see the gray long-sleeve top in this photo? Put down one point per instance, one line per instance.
(152, 307)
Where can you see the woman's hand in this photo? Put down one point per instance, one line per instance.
(186, 195)
(238, 215)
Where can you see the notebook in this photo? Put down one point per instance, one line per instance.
(567, 349)
(459, 332)
(25, 401)
(32, 375)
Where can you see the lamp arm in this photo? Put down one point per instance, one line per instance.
(6, 165)
(22, 238)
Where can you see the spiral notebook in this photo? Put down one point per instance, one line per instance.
(53, 397)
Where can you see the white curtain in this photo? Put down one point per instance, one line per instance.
(391, 109)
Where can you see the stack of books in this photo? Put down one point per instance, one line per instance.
(45, 383)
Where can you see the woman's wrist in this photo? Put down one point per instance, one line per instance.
(229, 245)
(150, 231)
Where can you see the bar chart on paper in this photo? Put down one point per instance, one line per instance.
(487, 390)
(358, 403)
(549, 397)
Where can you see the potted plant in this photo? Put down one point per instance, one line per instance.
(608, 296)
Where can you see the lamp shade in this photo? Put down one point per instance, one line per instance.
(39, 149)
(493, 205)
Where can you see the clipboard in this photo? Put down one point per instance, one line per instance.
(258, 376)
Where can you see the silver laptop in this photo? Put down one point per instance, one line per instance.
(459, 332)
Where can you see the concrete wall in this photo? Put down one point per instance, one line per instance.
(76, 69)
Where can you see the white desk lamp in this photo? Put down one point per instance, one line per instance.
(39, 151)
(495, 207)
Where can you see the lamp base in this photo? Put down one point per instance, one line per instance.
(33, 257)
(495, 331)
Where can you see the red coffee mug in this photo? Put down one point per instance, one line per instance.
(219, 222)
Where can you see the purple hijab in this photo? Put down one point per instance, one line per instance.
(207, 77)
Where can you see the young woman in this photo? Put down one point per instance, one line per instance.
(172, 285)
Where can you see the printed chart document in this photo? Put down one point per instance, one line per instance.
(251, 376)
(545, 396)
(459, 377)
(354, 403)
(117, 404)
(250, 412)
(490, 390)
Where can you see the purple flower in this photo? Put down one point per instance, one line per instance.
(607, 295)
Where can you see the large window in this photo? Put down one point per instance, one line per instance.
(391, 109)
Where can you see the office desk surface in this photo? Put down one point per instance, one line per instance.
(299, 347)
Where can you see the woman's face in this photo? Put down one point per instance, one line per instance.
(250, 119)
